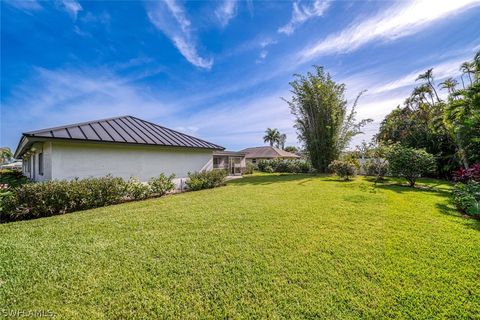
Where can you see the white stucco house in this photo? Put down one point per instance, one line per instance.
(123, 147)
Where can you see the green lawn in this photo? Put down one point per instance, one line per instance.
(264, 246)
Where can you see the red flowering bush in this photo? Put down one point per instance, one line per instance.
(466, 175)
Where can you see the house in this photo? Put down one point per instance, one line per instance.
(255, 154)
(123, 147)
(231, 161)
(15, 165)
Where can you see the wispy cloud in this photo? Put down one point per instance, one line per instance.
(170, 18)
(72, 7)
(24, 5)
(302, 13)
(53, 97)
(399, 21)
(226, 11)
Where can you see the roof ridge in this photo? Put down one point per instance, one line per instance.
(74, 124)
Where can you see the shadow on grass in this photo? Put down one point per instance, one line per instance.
(273, 178)
(438, 188)
(464, 220)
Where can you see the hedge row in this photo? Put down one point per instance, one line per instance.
(33, 200)
(288, 166)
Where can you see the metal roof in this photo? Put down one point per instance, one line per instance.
(124, 129)
(267, 152)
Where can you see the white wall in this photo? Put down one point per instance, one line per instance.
(34, 163)
(79, 159)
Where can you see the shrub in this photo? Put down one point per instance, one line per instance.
(409, 163)
(376, 167)
(284, 166)
(249, 167)
(470, 174)
(466, 197)
(343, 169)
(162, 184)
(206, 179)
(44, 199)
(12, 178)
(137, 190)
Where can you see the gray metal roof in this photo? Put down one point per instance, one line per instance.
(124, 129)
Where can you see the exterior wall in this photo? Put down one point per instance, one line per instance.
(31, 163)
(71, 160)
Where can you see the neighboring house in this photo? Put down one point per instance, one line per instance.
(255, 154)
(122, 146)
(15, 165)
(231, 161)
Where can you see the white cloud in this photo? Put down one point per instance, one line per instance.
(72, 7)
(302, 13)
(226, 11)
(170, 18)
(24, 5)
(55, 97)
(399, 21)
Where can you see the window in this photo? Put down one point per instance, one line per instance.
(27, 165)
(254, 161)
(40, 163)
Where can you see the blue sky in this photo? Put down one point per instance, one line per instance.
(217, 69)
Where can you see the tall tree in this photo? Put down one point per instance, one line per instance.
(449, 84)
(272, 136)
(323, 122)
(428, 77)
(282, 139)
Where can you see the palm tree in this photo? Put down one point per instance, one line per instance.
(5, 155)
(281, 141)
(428, 76)
(271, 136)
(449, 84)
(468, 68)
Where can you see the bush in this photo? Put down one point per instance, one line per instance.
(137, 190)
(343, 169)
(409, 163)
(49, 198)
(466, 197)
(206, 179)
(162, 184)
(284, 166)
(12, 178)
(376, 167)
(470, 174)
(249, 167)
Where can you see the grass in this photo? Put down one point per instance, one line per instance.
(265, 246)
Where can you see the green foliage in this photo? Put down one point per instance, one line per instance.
(291, 149)
(249, 168)
(323, 122)
(206, 179)
(33, 200)
(285, 166)
(466, 197)
(137, 190)
(343, 169)
(376, 165)
(5, 155)
(162, 184)
(12, 178)
(44, 199)
(272, 136)
(450, 130)
(409, 163)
